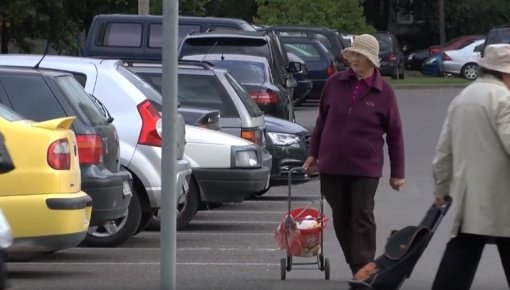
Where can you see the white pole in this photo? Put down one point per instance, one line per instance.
(168, 162)
(143, 7)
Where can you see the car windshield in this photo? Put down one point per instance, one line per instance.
(9, 115)
(82, 101)
(243, 71)
(252, 108)
(193, 46)
(305, 51)
(384, 42)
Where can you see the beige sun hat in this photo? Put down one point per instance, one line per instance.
(366, 45)
(496, 57)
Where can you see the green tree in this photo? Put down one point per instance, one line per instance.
(186, 7)
(342, 15)
(243, 9)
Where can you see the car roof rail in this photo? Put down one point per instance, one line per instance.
(200, 63)
(141, 62)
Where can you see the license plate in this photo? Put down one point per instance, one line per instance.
(185, 186)
(268, 180)
(126, 189)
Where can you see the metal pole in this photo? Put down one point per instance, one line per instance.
(442, 30)
(143, 7)
(168, 162)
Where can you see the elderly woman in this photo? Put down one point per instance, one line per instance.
(357, 108)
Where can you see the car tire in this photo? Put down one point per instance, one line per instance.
(396, 73)
(145, 221)
(469, 71)
(187, 211)
(125, 227)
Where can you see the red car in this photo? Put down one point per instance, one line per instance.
(454, 44)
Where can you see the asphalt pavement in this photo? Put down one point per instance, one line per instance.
(232, 246)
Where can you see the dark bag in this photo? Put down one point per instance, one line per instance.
(402, 252)
(6, 164)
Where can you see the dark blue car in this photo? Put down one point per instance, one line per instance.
(320, 63)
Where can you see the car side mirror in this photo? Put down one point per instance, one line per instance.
(478, 48)
(291, 83)
(294, 67)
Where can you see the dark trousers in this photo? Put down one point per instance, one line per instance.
(352, 202)
(461, 258)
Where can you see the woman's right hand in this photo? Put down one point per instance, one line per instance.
(310, 164)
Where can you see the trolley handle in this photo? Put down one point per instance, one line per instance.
(289, 180)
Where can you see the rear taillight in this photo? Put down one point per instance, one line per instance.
(253, 135)
(264, 97)
(392, 58)
(149, 134)
(445, 57)
(331, 70)
(59, 155)
(434, 51)
(90, 149)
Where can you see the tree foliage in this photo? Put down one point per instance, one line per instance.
(342, 15)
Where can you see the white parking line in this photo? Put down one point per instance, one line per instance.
(229, 249)
(233, 222)
(213, 211)
(224, 234)
(144, 264)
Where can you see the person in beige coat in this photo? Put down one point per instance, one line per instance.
(472, 164)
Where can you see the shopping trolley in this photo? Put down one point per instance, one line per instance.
(302, 242)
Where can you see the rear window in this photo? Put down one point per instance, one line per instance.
(122, 35)
(140, 84)
(185, 29)
(384, 43)
(31, 97)
(9, 115)
(81, 101)
(252, 108)
(306, 51)
(247, 46)
(243, 71)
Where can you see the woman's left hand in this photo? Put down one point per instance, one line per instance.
(396, 183)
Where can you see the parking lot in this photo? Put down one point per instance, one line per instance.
(232, 246)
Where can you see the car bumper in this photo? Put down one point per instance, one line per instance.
(284, 159)
(230, 185)
(110, 195)
(183, 177)
(316, 92)
(303, 89)
(47, 222)
(387, 69)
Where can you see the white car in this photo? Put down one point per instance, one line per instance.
(136, 120)
(463, 62)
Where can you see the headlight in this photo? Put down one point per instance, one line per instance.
(284, 139)
(5, 232)
(246, 158)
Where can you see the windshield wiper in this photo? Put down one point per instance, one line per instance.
(109, 117)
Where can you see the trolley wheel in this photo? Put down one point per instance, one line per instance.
(321, 261)
(289, 263)
(327, 269)
(283, 268)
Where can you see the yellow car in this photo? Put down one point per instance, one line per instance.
(42, 198)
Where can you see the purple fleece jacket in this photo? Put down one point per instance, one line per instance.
(348, 135)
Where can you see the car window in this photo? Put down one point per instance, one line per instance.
(31, 97)
(185, 29)
(222, 28)
(257, 47)
(81, 78)
(306, 51)
(123, 35)
(252, 108)
(243, 71)
(9, 114)
(498, 36)
(155, 32)
(384, 43)
(81, 101)
(144, 87)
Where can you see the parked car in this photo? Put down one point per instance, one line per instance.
(42, 198)
(456, 43)
(6, 165)
(136, 120)
(432, 66)
(41, 95)
(328, 37)
(256, 75)
(463, 62)
(235, 107)
(391, 55)
(265, 44)
(139, 36)
(304, 84)
(319, 61)
(415, 59)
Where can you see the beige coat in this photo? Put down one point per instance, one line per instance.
(472, 161)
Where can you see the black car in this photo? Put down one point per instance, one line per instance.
(415, 59)
(41, 95)
(391, 55)
(328, 37)
(304, 84)
(257, 76)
